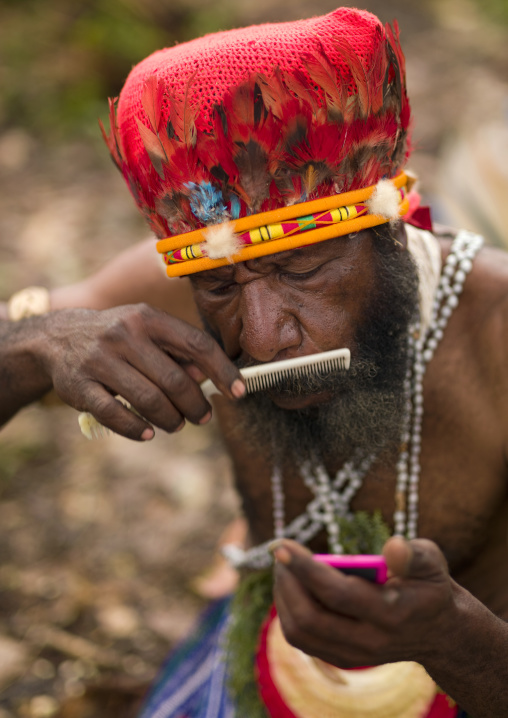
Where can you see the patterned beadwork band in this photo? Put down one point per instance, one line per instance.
(278, 230)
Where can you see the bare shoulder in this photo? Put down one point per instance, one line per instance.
(478, 331)
(486, 289)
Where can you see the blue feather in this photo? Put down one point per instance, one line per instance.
(235, 207)
(207, 203)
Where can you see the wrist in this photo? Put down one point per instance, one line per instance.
(23, 377)
(470, 663)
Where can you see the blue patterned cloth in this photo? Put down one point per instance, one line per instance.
(192, 683)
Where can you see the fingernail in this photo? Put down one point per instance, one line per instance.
(238, 388)
(206, 418)
(147, 435)
(274, 544)
(179, 428)
(282, 555)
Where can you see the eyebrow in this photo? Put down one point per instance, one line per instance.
(211, 275)
(279, 259)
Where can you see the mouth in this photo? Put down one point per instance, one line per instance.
(295, 401)
(300, 388)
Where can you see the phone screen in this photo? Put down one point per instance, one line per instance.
(370, 568)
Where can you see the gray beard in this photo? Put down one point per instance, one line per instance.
(366, 410)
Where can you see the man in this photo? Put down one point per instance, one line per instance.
(232, 147)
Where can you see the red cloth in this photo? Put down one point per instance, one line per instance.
(417, 215)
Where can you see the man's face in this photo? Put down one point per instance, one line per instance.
(358, 292)
(290, 304)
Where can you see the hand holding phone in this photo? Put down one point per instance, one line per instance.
(371, 568)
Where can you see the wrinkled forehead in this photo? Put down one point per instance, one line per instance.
(360, 247)
(352, 249)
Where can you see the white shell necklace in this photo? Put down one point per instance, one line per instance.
(332, 498)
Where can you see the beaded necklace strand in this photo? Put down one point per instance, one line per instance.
(332, 498)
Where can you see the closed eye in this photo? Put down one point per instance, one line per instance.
(221, 289)
(300, 276)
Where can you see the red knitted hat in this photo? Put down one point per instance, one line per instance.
(250, 120)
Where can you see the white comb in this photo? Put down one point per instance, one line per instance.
(264, 376)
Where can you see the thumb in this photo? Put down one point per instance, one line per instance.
(420, 559)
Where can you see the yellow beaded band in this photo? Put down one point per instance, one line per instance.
(261, 234)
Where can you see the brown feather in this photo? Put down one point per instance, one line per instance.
(310, 179)
(241, 108)
(255, 180)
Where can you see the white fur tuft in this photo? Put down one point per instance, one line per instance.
(221, 242)
(385, 201)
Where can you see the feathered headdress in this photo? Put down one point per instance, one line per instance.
(251, 120)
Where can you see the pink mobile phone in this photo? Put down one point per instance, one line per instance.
(372, 568)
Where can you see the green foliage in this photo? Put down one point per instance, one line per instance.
(497, 10)
(250, 608)
(363, 533)
(61, 59)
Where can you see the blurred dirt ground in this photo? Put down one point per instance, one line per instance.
(100, 541)
(99, 544)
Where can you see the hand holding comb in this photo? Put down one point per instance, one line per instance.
(257, 378)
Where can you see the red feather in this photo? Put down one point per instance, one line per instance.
(153, 146)
(153, 95)
(113, 140)
(272, 91)
(323, 73)
(393, 35)
(359, 75)
(183, 116)
(298, 87)
(376, 78)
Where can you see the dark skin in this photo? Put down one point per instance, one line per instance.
(298, 303)
(423, 614)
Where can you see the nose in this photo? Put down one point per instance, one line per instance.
(270, 328)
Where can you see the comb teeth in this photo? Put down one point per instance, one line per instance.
(265, 376)
(262, 382)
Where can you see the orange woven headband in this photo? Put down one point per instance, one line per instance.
(286, 228)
